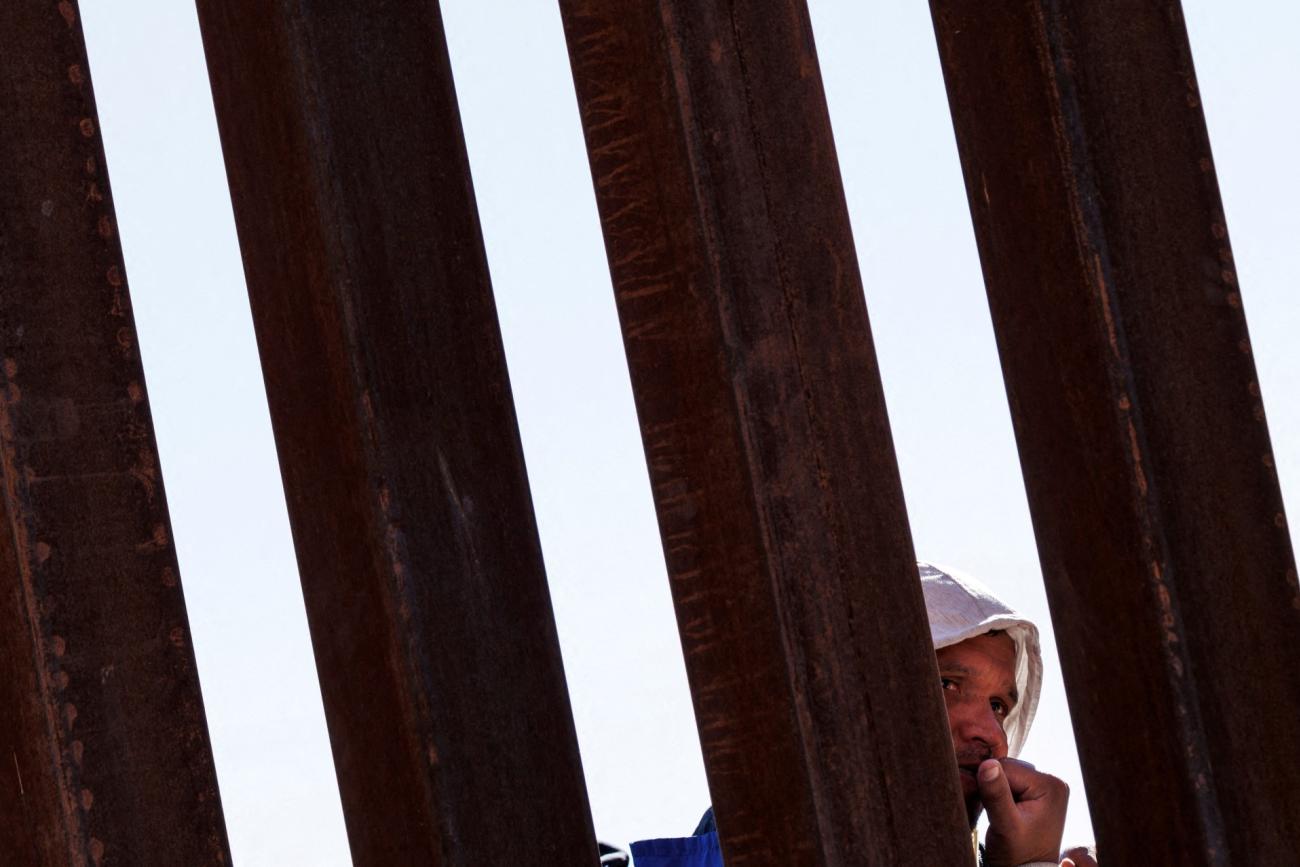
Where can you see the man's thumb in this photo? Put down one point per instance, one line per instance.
(995, 794)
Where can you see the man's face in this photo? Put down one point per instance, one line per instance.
(979, 688)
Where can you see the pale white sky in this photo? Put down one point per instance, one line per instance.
(594, 510)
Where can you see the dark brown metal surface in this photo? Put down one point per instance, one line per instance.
(764, 427)
(104, 753)
(1142, 437)
(420, 561)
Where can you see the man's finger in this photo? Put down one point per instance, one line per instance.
(1079, 856)
(995, 794)
(1026, 783)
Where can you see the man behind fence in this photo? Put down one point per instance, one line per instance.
(991, 671)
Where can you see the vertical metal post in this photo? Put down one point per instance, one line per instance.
(1138, 414)
(104, 752)
(421, 567)
(765, 432)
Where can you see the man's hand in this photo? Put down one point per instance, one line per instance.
(1079, 856)
(1026, 813)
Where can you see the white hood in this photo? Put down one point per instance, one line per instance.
(959, 607)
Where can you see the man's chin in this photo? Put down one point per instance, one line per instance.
(969, 786)
(970, 793)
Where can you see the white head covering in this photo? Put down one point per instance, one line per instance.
(959, 607)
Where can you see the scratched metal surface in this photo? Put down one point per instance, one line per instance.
(103, 740)
(1138, 414)
(765, 433)
(421, 568)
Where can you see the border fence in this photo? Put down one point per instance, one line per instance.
(1124, 348)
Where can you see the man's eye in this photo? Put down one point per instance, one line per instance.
(999, 708)
(947, 683)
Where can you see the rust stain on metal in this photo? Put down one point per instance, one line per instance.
(1138, 417)
(422, 573)
(764, 429)
(78, 487)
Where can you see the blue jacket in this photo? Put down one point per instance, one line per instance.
(699, 850)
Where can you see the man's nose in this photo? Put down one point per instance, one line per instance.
(980, 723)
